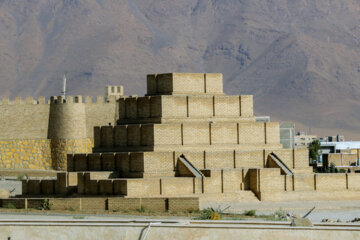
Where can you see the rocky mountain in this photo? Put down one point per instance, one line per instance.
(299, 58)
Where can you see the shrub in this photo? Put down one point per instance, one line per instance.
(209, 214)
(10, 206)
(141, 209)
(46, 205)
(280, 214)
(250, 213)
(72, 208)
(20, 177)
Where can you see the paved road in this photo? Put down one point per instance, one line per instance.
(343, 210)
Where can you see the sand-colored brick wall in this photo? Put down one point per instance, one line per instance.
(167, 134)
(196, 133)
(105, 203)
(183, 204)
(266, 180)
(134, 135)
(219, 159)
(301, 158)
(26, 154)
(120, 136)
(197, 158)
(124, 204)
(232, 180)
(213, 83)
(248, 159)
(272, 132)
(342, 159)
(159, 161)
(285, 155)
(213, 184)
(108, 162)
(180, 83)
(122, 162)
(228, 106)
(65, 203)
(174, 106)
(247, 106)
(271, 180)
(188, 83)
(251, 133)
(224, 133)
(200, 106)
(143, 107)
(188, 133)
(131, 107)
(353, 181)
(177, 186)
(19, 203)
(100, 113)
(24, 119)
(304, 182)
(94, 203)
(143, 187)
(107, 136)
(330, 181)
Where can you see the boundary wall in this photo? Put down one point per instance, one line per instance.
(343, 159)
(106, 204)
(269, 185)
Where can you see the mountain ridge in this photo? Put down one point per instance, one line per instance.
(300, 59)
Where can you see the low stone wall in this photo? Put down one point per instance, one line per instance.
(42, 154)
(104, 204)
(25, 154)
(269, 185)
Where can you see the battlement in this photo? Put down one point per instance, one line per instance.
(184, 83)
(22, 101)
(81, 99)
(116, 91)
(58, 100)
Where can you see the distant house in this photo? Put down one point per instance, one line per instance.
(302, 139)
(342, 154)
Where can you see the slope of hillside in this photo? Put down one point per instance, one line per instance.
(300, 59)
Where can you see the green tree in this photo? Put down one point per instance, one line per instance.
(314, 149)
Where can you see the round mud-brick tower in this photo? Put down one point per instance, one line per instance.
(67, 128)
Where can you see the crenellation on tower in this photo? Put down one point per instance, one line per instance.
(41, 100)
(115, 91)
(51, 128)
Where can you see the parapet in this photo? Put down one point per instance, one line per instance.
(81, 99)
(20, 101)
(116, 91)
(184, 83)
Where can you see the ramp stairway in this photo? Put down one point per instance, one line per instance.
(282, 166)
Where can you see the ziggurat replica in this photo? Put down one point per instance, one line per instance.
(183, 143)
